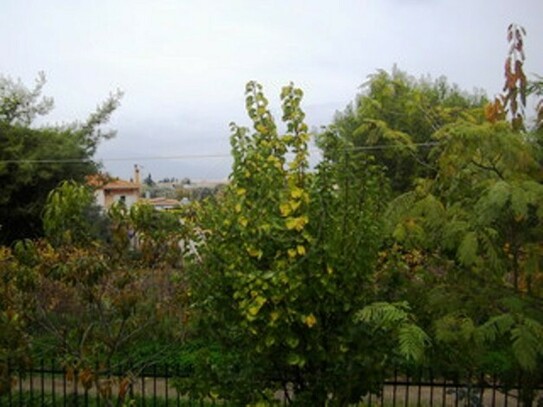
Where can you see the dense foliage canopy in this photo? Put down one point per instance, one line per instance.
(395, 116)
(289, 258)
(415, 242)
(34, 159)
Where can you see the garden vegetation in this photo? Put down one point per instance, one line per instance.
(415, 241)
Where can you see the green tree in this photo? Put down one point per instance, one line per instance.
(477, 222)
(149, 180)
(394, 117)
(71, 216)
(33, 160)
(282, 278)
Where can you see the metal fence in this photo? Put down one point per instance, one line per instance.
(50, 385)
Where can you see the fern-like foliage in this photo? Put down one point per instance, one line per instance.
(496, 327)
(412, 341)
(525, 335)
(378, 131)
(384, 315)
(455, 328)
(397, 320)
(527, 345)
(467, 251)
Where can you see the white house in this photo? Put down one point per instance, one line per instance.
(109, 192)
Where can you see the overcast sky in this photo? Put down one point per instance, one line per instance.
(183, 64)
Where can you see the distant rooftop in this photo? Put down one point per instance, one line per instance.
(101, 181)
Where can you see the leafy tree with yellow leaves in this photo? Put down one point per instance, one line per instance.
(283, 278)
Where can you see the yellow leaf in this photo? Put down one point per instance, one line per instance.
(241, 191)
(296, 193)
(295, 205)
(292, 253)
(285, 209)
(296, 223)
(237, 208)
(329, 269)
(310, 320)
(243, 221)
(254, 252)
(257, 304)
(254, 310)
(300, 249)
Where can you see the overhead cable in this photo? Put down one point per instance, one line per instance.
(194, 156)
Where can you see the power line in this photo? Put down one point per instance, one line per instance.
(142, 158)
(194, 156)
(391, 146)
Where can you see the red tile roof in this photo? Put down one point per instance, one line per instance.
(105, 182)
(120, 184)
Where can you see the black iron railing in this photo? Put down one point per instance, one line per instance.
(47, 384)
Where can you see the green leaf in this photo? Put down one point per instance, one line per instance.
(270, 341)
(295, 359)
(399, 232)
(383, 314)
(496, 326)
(292, 341)
(412, 341)
(526, 346)
(519, 202)
(467, 252)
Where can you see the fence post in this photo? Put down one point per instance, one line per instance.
(394, 386)
(52, 374)
(419, 392)
(143, 387)
(431, 376)
(482, 386)
(177, 374)
(74, 391)
(31, 379)
(154, 384)
(166, 374)
(64, 384)
(407, 389)
(9, 367)
(131, 390)
(20, 375)
(444, 391)
(42, 382)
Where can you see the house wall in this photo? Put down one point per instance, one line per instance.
(112, 196)
(100, 198)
